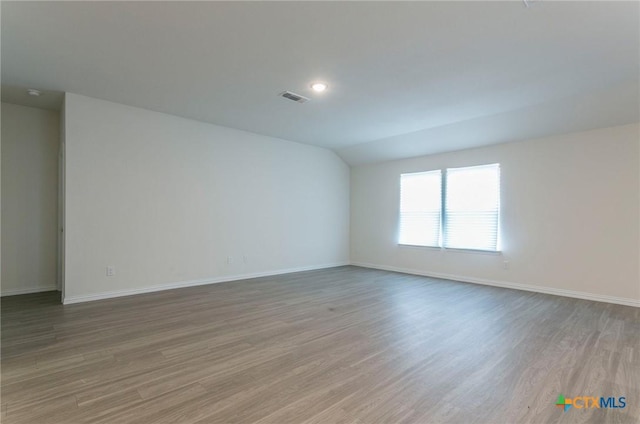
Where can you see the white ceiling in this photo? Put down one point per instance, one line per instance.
(406, 78)
(51, 100)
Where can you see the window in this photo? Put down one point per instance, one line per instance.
(464, 208)
(420, 208)
(472, 207)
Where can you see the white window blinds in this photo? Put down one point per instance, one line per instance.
(472, 207)
(420, 208)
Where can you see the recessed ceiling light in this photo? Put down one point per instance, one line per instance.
(33, 92)
(319, 86)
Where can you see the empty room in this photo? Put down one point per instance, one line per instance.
(320, 212)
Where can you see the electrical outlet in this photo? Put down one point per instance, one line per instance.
(111, 271)
(229, 260)
(505, 265)
(244, 258)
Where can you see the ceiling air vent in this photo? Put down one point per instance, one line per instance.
(293, 96)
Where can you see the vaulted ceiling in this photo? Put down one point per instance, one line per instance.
(405, 78)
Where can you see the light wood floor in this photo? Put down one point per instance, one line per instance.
(344, 345)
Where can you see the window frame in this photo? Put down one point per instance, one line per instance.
(400, 212)
(443, 214)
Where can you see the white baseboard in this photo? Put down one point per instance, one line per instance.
(128, 292)
(504, 284)
(28, 290)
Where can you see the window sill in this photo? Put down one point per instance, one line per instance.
(481, 252)
(454, 250)
(417, 246)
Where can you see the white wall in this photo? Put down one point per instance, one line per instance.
(29, 199)
(61, 189)
(166, 200)
(570, 216)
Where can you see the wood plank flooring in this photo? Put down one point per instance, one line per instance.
(342, 345)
